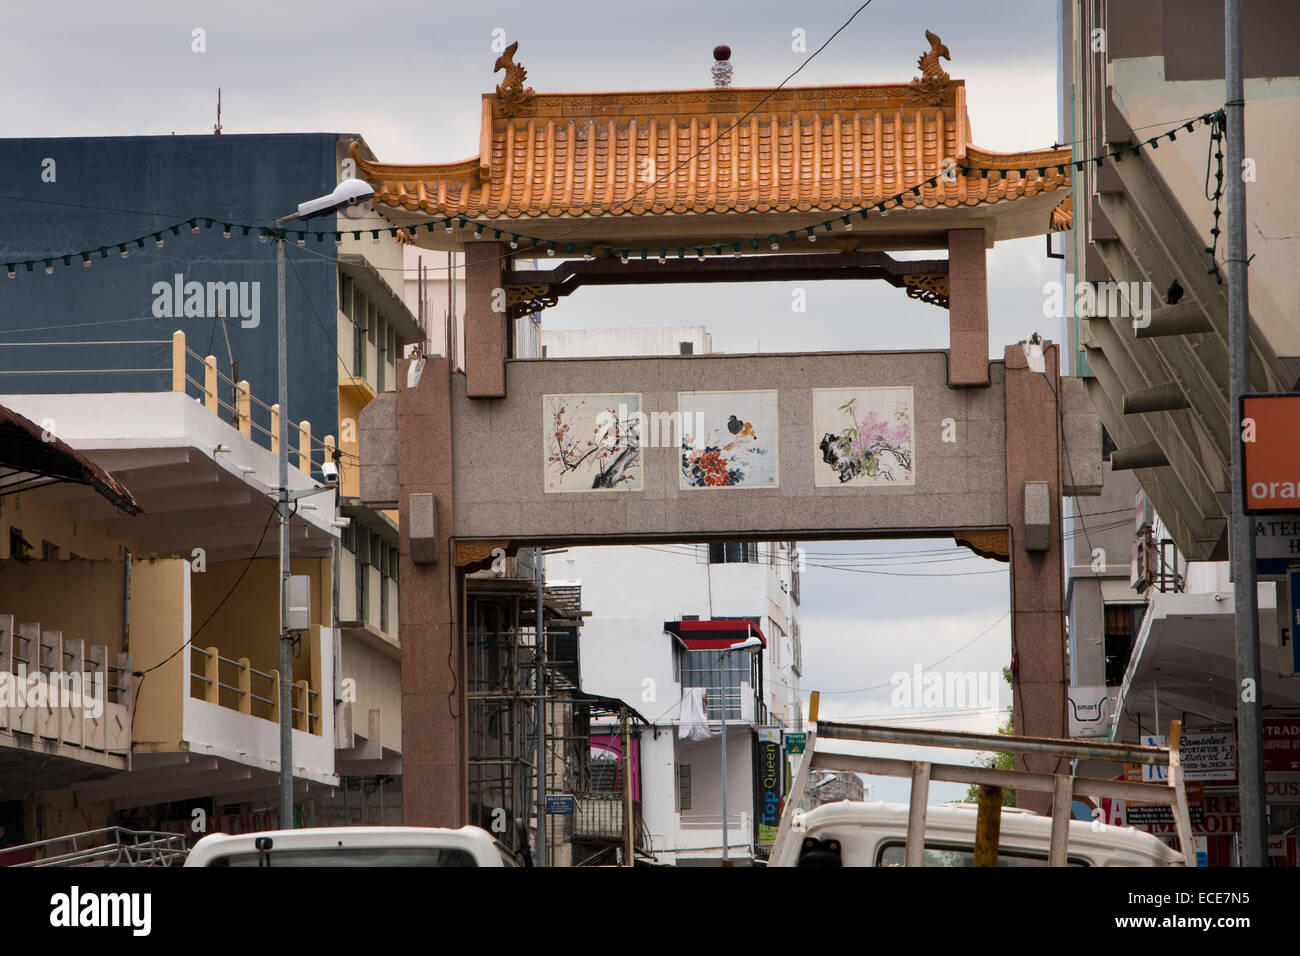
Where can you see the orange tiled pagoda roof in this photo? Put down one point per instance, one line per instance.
(802, 150)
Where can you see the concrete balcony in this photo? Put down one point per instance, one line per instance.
(65, 710)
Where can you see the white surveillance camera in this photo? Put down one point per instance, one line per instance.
(330, 472)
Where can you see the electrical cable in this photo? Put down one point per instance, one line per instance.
(142, 674)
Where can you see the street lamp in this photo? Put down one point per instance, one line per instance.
(750, 644)
(353, 198)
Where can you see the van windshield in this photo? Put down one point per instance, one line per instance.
(352, 856)
(895, 854)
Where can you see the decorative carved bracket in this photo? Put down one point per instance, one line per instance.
(929, 287)
(523, 300)
(987, 544)
(476, 552)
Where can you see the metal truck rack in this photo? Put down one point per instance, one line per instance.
(1064, 787)
(109, 846)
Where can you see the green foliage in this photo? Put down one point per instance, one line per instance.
(997, 761)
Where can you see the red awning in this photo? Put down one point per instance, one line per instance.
(715, 634)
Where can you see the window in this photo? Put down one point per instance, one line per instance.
(685, 348)
(894, 854)
(703, 669)
(1122, 623)
(381, 359)
(604, 770)
(383, 604)
(796, 642)
(358, 333)
(361, 573)
(18, 545)
(345, 294)
(49, 552)
(733, 552)
(683, 787)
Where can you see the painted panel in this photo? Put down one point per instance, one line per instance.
(729, 439)
(863, 437)
(592, 442)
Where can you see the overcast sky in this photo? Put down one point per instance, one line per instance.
(408, 77)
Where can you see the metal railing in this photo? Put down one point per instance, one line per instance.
(306, 714)
(109, 846)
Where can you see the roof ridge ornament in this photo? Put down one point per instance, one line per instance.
(929, 88)
(511, 92)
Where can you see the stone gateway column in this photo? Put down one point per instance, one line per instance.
(1033, 450)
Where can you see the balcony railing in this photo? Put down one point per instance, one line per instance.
(598, 817)
(85, 700)
(210, 681)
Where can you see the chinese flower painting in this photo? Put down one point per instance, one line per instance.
(863, 436)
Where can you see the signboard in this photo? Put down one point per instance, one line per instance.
(1270, 453)
(1288, 599)
(1090, 711)
(768, 785)
(1157, 817)
(1209, 756)
(561, 804)
(796, 743)
(1151, 773)
(1277, 844)
(1141, 512)
(1281, 745)
(1277, 544)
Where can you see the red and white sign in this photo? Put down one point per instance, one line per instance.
(1281, 744)
(1271, 455)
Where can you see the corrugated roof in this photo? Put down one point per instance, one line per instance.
(29, 450)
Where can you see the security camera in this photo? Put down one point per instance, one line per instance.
(352, 196)
(330, 472)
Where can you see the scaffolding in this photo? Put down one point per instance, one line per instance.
(503, 707)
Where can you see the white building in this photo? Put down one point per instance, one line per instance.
(626, 652)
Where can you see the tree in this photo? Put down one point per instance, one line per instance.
(997, 761)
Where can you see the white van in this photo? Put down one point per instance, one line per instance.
(353, 846)
(875, 834)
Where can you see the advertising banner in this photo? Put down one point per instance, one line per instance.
(768, 785)
(1210, 756)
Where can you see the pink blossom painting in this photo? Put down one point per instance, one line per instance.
(863, 437)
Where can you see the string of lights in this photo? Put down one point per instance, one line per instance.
(906, 198)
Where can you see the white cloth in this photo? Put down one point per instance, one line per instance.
(694, 723)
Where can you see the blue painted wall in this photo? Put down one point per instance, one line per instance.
(107, 190)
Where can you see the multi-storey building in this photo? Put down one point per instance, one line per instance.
(173, 301)
(1151, 602)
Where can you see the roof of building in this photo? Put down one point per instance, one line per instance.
(35, 456)
(705, 152)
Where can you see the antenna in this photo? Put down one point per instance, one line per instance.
(216, 130)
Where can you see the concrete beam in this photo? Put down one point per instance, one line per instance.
(485, 319)
(1166, 397)
(968, 309)
(1182, 250)
(1196, 537)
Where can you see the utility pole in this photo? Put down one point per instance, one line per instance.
(1250, 750)
(624, 720)
(351, 197)
(539, 571)
(286, 662)
(722, 704)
